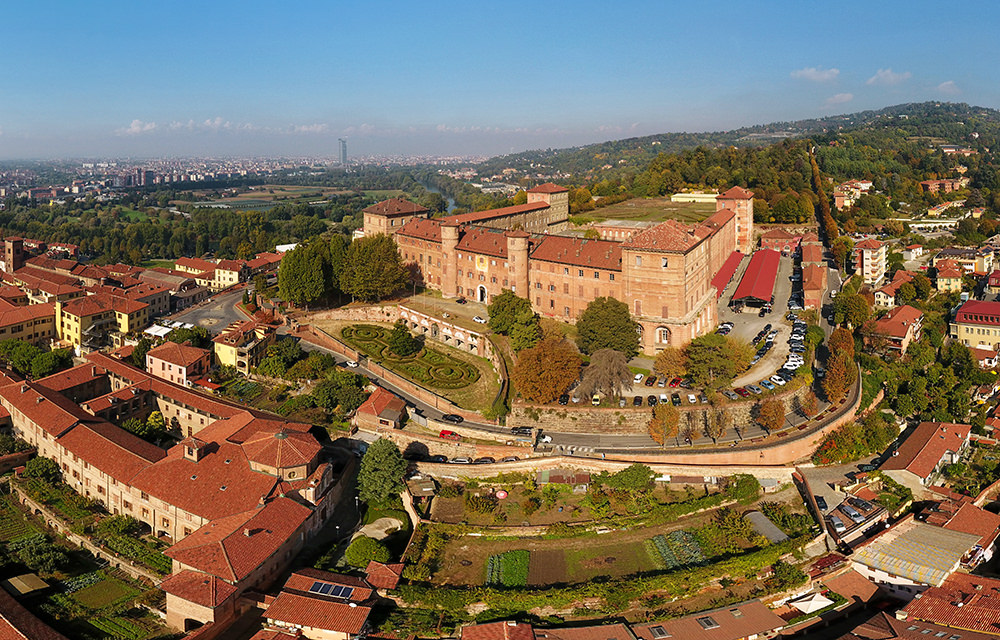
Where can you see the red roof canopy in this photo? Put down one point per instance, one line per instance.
(758, 280)
(729, 267)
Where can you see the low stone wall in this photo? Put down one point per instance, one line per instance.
(583, 418)
(367, 313)
(54, 521)
(417, 443)
(12, 460)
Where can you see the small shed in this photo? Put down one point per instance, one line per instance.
(24, 584)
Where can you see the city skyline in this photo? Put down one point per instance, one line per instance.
(242, 79)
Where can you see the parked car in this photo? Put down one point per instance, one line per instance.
(461, 461)
(520, 431)
(437, 458)
(484, 460)
(449, 435)
(545, 439)
(637, 379)
(767, 384)
(575, 399)
(860, 503)
(637, 401)
(479, 319)
(595, 400)
(820, 502)
(692, 399)
(461, 300)
(676, 400)
(650, 381)
(675, 383)
(752, 388)
(763, 312)
(742, 392)
(664, 399)
(852, 513)
(621, 403)
(509, 459)
(687, 383)
(662, 383)
(351, 364)
(732, 395)
(702, 398)
(778, 380)
(651, 401)
(838, 524)
(564, 399)
(452, 418)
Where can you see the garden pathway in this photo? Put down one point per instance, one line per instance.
(378, 529)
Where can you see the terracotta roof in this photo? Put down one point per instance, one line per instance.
(869, 243)
(726, 272)
(72, 377)
(194, 264)
(224, 549)
(384, 576)
(179, 354)
(923, 449)
(948, 274)
(318, 613)
(238, 333)
(483, 240)
(489, 214)
(382, 400)
(972, 519)
(736, 193)
(17, 623)
(422, 229)
(853, 586)
(302, 579)
(230, 265)
(593, 632)
(111, 449)
(548, 187)
(778, 234)
(728, 623)
(199, 588)
(274, 634)
(897, 322)
(899, 278)
(580, 252)
(396, 207)
(979, 312)
(668, 236)
(504, 630)
(718, 219)
(281, 449)
(99, 303)
(885, 627)
(17, 315)
(813, 277)
(963, 601)
(49, 409)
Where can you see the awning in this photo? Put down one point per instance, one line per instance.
(811, 603)
(759, 278)
(725, 274)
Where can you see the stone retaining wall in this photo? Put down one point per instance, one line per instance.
(55, 522)
(583, 418)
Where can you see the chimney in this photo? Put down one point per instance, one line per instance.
(39, 400)
(247, 532)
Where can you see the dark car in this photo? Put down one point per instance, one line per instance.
(767, 327)
(564, 399)
(437, 458)
(461, 300)
(650, 381)
(702, 398)
(821, 503)
(452, 418)
(763, 312)
(676, 400)
(520, 431)
(484, 460)
(637, 401)
(686, 383)
(651, 401)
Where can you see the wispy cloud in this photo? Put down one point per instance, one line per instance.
(137, 127)
(888, 77)
(318, 127)
(816, 74)
(840, 98)
(949, 88)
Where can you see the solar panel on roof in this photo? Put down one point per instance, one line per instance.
(347, 592)
(326, 589)
(316, 586)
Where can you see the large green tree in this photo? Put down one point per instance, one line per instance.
(714, 360)
(504, 310)
(380, 479)
(373, 269)
(364, 550)
(304, 273)
(606, 324)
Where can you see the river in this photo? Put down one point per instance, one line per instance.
(449, 200)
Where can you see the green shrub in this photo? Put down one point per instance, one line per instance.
(363, 550)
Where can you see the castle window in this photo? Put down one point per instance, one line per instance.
(664, 261)
(597, 275)
(611, 277)
(565, 311)
(638, 261)
(580, 273)
(565, 271)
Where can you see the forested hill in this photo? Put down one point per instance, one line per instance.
(951, 122)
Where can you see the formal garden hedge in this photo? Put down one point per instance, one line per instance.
(428, 366)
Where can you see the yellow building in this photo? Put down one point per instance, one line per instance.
(242, 345)
(35, 324)
(87, 323)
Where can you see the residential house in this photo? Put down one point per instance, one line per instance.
(781, 241)
(923, 454)
(35, 323)
(993, 282)
(89, 322)
(948, 276)
(814, 282)
(319, 605)
(885, 296)
(242, 345)
(977, 324)
(886, 627)
(899, 327)
(913, 251)
(382, 410)
(744, 621)
(178, 363)
(970, 260)
(963, 602)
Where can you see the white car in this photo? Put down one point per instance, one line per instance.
(692, 399)
(545, 439)
(352, 364)
(479, 320)
(638, 378)
(778, 380)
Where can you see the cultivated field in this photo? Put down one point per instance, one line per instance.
(648, 209)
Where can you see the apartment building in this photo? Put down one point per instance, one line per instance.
(242, 345)
(870, 260)
(178, 363)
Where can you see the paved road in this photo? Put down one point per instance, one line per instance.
(215, 315)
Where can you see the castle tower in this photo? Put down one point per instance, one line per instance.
(740, 202)
(13, 254)
(558, 200)
(449, 259)
(517, 258)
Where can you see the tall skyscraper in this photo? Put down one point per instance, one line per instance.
(343, 150)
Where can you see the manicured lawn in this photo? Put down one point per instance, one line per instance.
(134, 216)
(649, 209)
(104, 593)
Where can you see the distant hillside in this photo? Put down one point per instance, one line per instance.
(951, 122)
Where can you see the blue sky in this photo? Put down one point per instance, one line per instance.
(219, 77)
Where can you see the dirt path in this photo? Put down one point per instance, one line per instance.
(378, 529)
